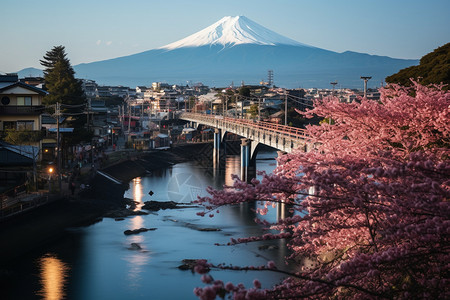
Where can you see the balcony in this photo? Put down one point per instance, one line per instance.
(14, 110)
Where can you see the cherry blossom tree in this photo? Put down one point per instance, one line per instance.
(370, 201)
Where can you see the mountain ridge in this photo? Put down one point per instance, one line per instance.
(217, 66)
(236, 49)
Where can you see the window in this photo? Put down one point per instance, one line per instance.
(9, 125)
(5, 100)
(25, 125)
(24, 101)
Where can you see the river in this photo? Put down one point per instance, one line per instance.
(98, 261)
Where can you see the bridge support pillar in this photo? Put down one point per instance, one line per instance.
(216, 150)
(282, 209)
(248, 168)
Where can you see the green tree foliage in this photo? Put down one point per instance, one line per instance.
(64, 88)
(253, 111)
(21, 137)
(244, 91)
(58, 53)
(60, 79)
(433, 68)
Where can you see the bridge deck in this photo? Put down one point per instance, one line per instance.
(285, 138)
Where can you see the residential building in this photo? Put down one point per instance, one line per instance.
(17, 172)
(21, 109)
(89, 88)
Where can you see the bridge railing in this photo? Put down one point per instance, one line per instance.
(288, 131)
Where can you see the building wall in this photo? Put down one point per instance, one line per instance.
(36, 120)
(16, 92)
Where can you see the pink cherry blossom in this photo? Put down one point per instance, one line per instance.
(371, 202)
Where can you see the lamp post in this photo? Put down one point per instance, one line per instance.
(333, 84)
(365, 78)
(111, 131)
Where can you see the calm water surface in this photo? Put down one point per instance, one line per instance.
(98, 262)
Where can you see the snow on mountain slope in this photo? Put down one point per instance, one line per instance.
(230, 31)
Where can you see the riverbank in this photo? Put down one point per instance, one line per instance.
(35, 228)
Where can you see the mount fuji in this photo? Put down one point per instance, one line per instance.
(236, 49)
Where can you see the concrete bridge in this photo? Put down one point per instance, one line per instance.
(281, 137)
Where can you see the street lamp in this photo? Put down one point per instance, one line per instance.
(333, 84)
(50, 172)
(111, 131)
(365, 78)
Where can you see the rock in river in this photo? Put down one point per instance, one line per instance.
(135, 246)
(136, 231)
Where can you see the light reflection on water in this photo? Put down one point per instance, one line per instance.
(232, 167)
(53, 276)
(137, 258)
(137, 191)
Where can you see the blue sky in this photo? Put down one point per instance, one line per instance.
(101, 29)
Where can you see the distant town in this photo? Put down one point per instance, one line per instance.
(145, 116)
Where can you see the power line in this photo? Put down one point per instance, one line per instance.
(73, 105)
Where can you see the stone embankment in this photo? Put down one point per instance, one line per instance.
(38, 227)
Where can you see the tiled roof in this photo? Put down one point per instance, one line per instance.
(7, 85)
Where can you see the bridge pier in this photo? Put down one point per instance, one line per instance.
(216, 149)
(248, 165)
(282, 209)
(245, 158)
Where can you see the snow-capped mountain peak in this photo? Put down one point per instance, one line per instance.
(230, 31)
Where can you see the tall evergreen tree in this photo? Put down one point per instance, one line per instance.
(64, 88)
(60, 79)
(58, 53)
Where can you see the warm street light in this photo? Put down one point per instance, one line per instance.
(50, 172)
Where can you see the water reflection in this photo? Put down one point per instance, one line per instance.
(232, 167)
(111, 268)
(53, 277)
(137, 192)
(282, 211)
(137, 258)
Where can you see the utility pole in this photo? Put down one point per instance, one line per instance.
(259, 108)
(226, 105)
(123, 116)
(58, 146)
(235, 106)
(223, 106)
(242, 108)
(35, 181)
(285, 107)
(142, 114)
(88, 112)
(365, 78)
(129, 118)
